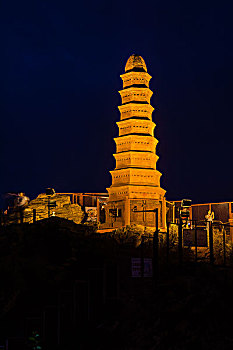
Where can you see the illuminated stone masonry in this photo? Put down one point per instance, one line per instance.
(135, 179)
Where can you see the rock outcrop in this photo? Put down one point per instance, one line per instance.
(60, 206)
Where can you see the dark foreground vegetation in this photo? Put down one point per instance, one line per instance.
(73, 287)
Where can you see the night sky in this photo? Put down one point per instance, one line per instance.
(60, 75)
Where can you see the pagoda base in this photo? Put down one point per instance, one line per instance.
(134, 212)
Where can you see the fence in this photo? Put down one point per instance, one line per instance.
(195, 241)
(205, 242)
(20, 217)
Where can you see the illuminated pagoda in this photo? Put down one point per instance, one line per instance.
(135, 179)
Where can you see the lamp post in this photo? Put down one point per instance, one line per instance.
(210, 218)
(155, 260)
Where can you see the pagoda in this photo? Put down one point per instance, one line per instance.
(135, 180)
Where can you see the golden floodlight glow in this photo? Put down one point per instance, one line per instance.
(135, 179)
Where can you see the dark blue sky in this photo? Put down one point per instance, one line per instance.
(60, 67)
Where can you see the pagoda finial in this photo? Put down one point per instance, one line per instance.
(135, 62)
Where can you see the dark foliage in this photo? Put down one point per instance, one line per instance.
(190, 306)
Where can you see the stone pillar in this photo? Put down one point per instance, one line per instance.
(164, 226)
(98, 209)
(81, 199)
(127, 211)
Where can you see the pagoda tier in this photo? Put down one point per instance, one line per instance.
(135, 142)
(136, 94)
(135, 176)
(135, 79)
(136, 126)
(138, 110)
(135, 159)
(135, 179)
(136, 192)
